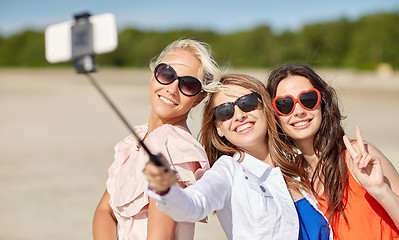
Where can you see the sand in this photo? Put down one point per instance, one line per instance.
(58, 134)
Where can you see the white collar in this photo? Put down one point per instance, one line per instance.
(257, 167)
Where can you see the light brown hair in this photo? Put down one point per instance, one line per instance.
(281, 155)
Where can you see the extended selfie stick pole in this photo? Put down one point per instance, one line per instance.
(153, 158)
(83, 57)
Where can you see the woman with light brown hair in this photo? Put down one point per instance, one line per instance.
(246, 185)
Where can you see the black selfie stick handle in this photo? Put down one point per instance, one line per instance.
(153, 158)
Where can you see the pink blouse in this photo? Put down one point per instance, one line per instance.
(126, 183)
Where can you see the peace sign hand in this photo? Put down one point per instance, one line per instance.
(366, 168)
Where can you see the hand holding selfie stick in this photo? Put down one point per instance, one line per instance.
(83, 58)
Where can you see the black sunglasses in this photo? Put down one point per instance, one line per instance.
(188, 85)
(246, 103)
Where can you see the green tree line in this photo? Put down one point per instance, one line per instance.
(363, 43)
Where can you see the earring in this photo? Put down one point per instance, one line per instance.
(220, 133)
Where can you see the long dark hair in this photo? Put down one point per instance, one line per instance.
(328, 144)
(281, 155)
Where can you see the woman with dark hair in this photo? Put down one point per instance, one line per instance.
(357, 191)
(247, 184)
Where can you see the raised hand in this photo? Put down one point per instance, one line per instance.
(365, 167)
(159, 178)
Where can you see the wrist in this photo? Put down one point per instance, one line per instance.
(160, 193)
(163, 192)
(379, 192)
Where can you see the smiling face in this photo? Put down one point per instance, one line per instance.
(301, 125)
(169, 105)
(246, 130)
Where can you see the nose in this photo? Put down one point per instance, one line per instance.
(173, 88)
(239, 115)
(299, 110)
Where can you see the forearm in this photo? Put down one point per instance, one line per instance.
(389, 201)
(194, 203)
(182, 207)
(104, 221)
(388, 194)
(160, 226)
(104, 226)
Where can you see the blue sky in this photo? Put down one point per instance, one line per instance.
(216, 15)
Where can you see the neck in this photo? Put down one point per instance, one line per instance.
(310, 163)
(260, 153)
(155, 122)
(306, 147)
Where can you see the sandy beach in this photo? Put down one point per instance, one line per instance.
(58, 134)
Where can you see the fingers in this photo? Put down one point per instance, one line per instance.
(164, 162)
(350, 148)
(159, 179)
(364, 162)
(356, 162)
(151, 169)
(360, 141)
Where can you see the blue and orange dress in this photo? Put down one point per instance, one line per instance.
(312, 223)
(366, 218)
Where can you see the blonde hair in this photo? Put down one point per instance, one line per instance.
(281, 155)
(209, 72)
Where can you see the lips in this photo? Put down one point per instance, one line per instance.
(166, 100)
(244, 127)
(302, 123)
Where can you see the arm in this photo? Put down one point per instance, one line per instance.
(375, 173)
(104, 222)
(388, 194)
(160, 225)
(195, 202)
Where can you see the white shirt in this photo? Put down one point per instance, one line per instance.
(250, 198)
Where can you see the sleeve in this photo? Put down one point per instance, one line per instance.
(126, 181)
(122, 152)
(184, 153)
(211, 193)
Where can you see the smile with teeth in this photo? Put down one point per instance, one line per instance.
(244, 127)
(165, 100)
(302, 123)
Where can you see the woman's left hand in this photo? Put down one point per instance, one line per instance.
(365, 167)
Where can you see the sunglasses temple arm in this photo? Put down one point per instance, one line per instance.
(153, 158)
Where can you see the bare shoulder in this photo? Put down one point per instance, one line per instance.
(390, 172)
(385, 162)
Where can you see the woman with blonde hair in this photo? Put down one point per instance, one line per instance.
(181, 73)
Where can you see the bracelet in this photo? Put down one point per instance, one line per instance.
(159, 193)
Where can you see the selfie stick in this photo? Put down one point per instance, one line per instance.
(83, 57)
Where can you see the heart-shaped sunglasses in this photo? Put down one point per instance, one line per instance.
(308, 99)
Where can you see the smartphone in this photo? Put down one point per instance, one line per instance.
(58, 37)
